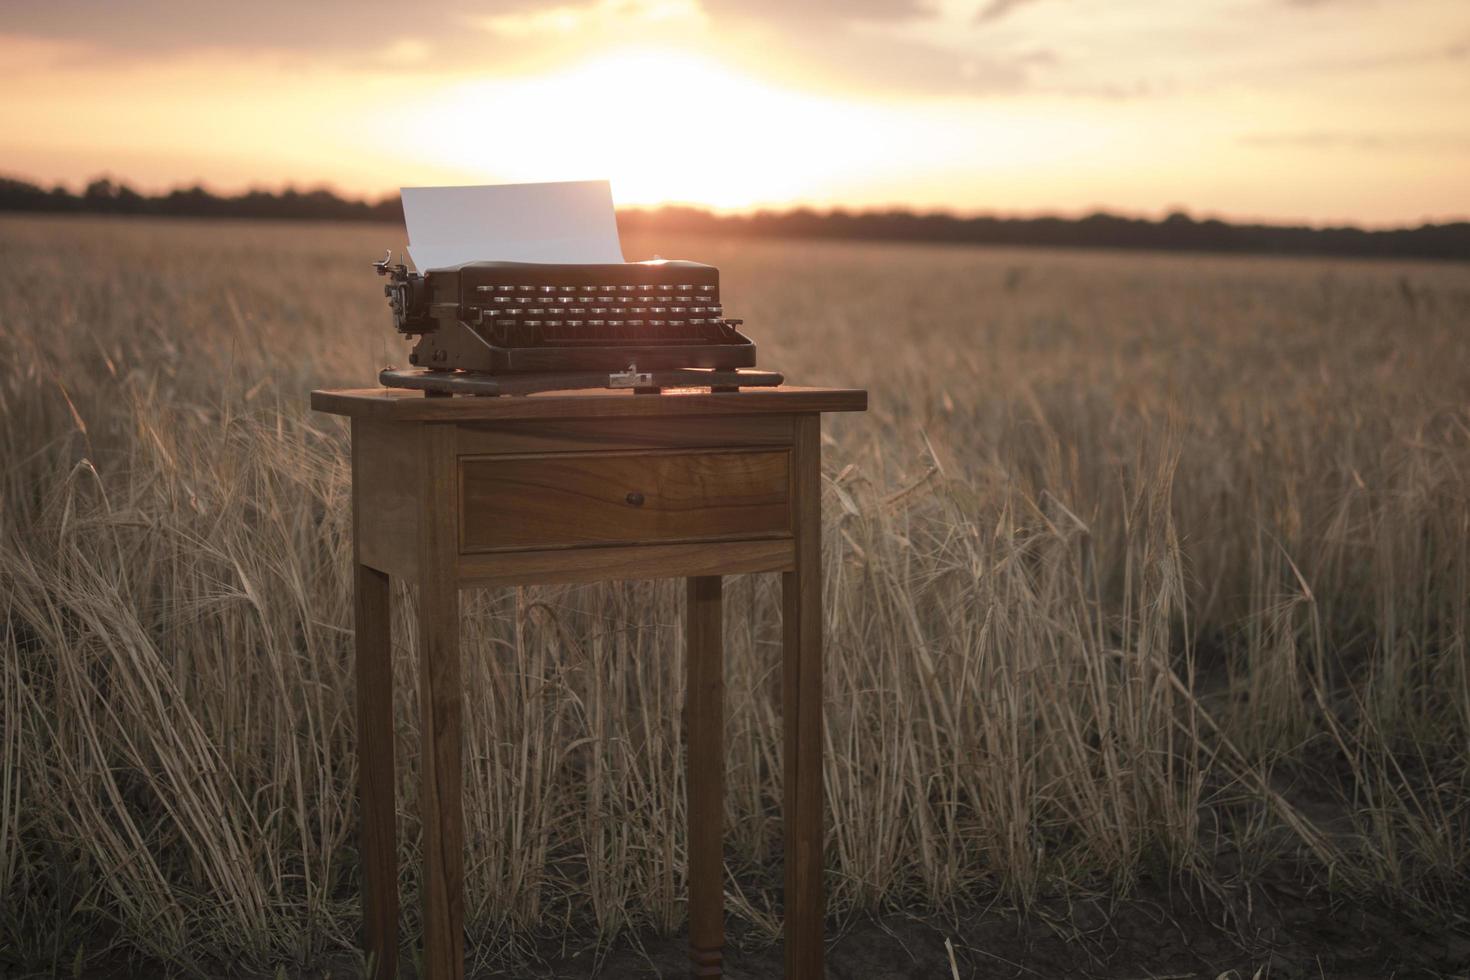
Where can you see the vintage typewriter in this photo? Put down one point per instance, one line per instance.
(501, 328)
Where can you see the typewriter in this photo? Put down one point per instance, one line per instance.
(501, 328)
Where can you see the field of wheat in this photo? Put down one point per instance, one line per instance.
(1139, 567)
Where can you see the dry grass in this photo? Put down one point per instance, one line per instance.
(1139, 566)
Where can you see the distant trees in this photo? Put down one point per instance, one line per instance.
(1178, 231)
(104, 196)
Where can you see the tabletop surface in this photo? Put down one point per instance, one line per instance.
(404, 405)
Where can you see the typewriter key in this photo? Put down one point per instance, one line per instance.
(548, 289)
(565, 300)
(505, 289)
(553, 323)
(574, 323)
(607, 289)
(526, 288)
(678, 309)
(569, 289)
(639, 309)
(635, 323)
(596, 323)
(684, 299)
(628, 289)
(655, 323)
(500, 299)
(706, 289)
(665, 288)
(685, 288)
(658, 309)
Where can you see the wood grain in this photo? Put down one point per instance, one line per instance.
(616, 435)
(619, 563)
(376, 803)
(731, 483)
(704, 716)
(440, 707)
(401, 405)
(801, 611)
(385, 484)
(568, 500)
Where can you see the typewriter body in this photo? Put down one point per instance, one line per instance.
(490, 328)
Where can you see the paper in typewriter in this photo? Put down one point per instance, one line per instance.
(568, 221)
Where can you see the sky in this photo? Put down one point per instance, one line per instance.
(1315, 111)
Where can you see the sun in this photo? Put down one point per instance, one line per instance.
(663, 126)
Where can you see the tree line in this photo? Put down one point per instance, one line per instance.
(1178, 231)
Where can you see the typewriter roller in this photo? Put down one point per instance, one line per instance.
(516, 327)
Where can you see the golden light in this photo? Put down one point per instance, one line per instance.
(669, 126)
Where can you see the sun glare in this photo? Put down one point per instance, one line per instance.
(663, 126)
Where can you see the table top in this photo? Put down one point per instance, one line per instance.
(403, 405)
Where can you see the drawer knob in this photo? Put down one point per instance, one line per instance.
(635, 498)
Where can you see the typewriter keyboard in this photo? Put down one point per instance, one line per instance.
(535, 316)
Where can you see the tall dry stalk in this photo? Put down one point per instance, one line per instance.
(1130, 551)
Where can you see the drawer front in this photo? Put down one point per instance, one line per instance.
(510, 503)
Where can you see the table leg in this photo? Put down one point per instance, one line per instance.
(378, 836)
(440, 708)
(440, 799)
(705, 776)
(801, 697)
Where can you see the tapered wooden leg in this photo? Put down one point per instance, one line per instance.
(801, 697)
(440, 699)
(378, 835)
(705, 716)
(443, 815)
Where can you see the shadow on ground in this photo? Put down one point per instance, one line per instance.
(1287, 933)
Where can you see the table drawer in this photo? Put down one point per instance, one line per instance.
(510, 503)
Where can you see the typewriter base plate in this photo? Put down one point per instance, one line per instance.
(474, 383)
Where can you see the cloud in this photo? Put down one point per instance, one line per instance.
(995, 10)
(320, 28)
(160, 25)
(330, 26)
(821, 10)
(883, 48)
(1412, 142)
(142, 26)
(867, 47)
(1458, 50)
(882, 65)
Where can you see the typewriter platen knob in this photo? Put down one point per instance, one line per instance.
(408, 297)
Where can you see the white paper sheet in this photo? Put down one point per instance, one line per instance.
(568, 221)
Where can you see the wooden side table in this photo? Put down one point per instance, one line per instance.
(455, 493)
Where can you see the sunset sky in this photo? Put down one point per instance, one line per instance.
(1284, 110)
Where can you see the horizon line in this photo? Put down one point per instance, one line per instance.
(1164, 213)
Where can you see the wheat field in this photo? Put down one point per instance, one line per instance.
(1139, 566)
